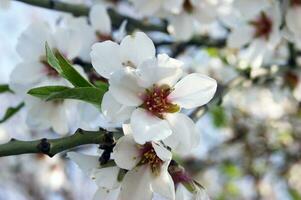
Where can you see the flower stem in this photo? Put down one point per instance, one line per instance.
(51, 147)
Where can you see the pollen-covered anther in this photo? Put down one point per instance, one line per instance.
(149, 157)
(156, 101)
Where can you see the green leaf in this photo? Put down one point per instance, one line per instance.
(219, 116)
(4, 88)
(11, 112)
(294, 194)
(46, 91)
(87, 94)
(101, 85)
(65, 68)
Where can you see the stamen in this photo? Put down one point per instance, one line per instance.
(149, 157)
(156, 101)
(263, 26)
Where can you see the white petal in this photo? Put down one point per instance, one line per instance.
(163, 184)
(26, 74)
(127, 130)
(86, 163)
(100, 19)
(182, 193)
(291, 19)
(193, 90)
(105, 58)
(165, 61)
(163, 153)
(106, 177)
(181, 26)
(34, 37)
(58, 118)
(68, 42)
(136, 48)
(106, 194)
(185, 136)
(147, 7)
(114, 111)
(240, 36)
(150, 73)
(136, 184)
(124, 87)
(147, 127)
(126, 153)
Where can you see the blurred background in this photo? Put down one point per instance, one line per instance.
(250, 134)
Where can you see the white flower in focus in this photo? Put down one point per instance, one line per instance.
(260, 32)
(151, 96)
(147, 165)
(105, 177)
(109, 56)
(293, 25)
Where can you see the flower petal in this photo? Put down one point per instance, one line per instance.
(136, 184)
(100, 19)
(240, 36)
(86, 163)
(103, 61)
(106, 177)
(113, 111)
(126, 153)
(34, 37)
(106, 194)
(185, 135)
(193, 90)
(163, 184)
(150, 73)
(136, 48)
(124, 87)
(147, 127)
(163, 153)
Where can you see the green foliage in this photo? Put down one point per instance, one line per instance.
(219, 116)
(295, 194)
(231, 170)
(11, 111)
(4, 88)
(65, 69)
(46, 91)
(88, 94)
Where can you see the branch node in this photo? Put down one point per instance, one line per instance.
(44, 146)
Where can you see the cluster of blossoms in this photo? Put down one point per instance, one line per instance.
(146, 93)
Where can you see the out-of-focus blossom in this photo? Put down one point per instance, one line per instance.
(259, 30)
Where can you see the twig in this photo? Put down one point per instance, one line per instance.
(51, 147)
(83, 10)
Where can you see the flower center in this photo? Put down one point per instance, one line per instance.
(295, 3)
(188, 7)
(103, 37)
(50, 71)
(156, 101)
(149, 157)
(263, 25)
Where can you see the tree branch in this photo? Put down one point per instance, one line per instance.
(51, 147)
(83, 10)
